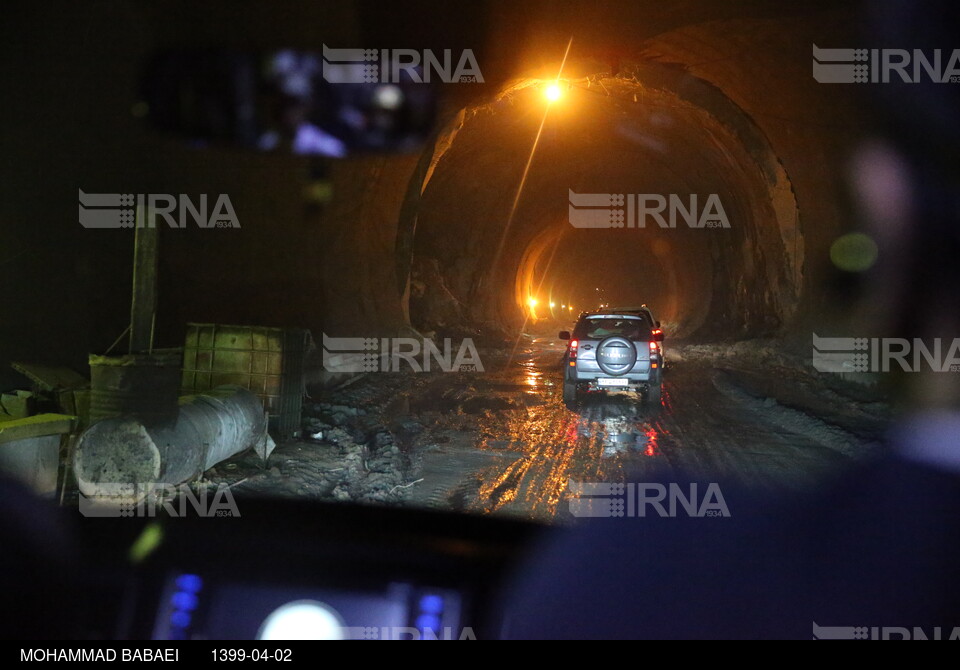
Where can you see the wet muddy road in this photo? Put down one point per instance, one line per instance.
(517, 448)
(500, 440)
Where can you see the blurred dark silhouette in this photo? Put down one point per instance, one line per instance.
(39, 566)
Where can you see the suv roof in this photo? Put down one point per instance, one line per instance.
(626, 310)
(643, 316)
(625, 313)
(643, 309)
(619, 311)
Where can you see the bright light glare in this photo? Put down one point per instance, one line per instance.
(552, 92)
(552, 305)
(532, 302)
(388, 96)
(302, 620)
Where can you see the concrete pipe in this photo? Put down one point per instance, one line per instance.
(114, 454)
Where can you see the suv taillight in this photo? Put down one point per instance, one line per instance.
(572, 350)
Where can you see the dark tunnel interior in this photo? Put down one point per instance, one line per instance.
(469, 231)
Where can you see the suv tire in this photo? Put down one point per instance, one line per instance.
(654, 393)
(570, 394)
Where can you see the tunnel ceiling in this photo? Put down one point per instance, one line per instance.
(683, 115)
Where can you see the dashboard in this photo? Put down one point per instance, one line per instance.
(296, 569)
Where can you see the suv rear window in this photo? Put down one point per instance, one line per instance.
(597, 328)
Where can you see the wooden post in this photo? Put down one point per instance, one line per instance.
(144, 303)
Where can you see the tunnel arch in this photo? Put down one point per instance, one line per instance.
(747, 282)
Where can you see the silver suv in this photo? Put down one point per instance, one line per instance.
(616, 350)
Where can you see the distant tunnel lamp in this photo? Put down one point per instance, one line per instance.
(552, 92)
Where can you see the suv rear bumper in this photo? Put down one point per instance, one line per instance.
(589, 371)
(645, 377)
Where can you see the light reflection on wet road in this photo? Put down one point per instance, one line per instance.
(520, 460)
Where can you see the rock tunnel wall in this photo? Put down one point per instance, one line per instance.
(713, 122)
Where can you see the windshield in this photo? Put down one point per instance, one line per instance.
(380, 320)
(350, 252)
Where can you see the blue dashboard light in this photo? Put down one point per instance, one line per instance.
(190, 583)
(180, 619)
(431, 604)
(182, 600)
(428, 622)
